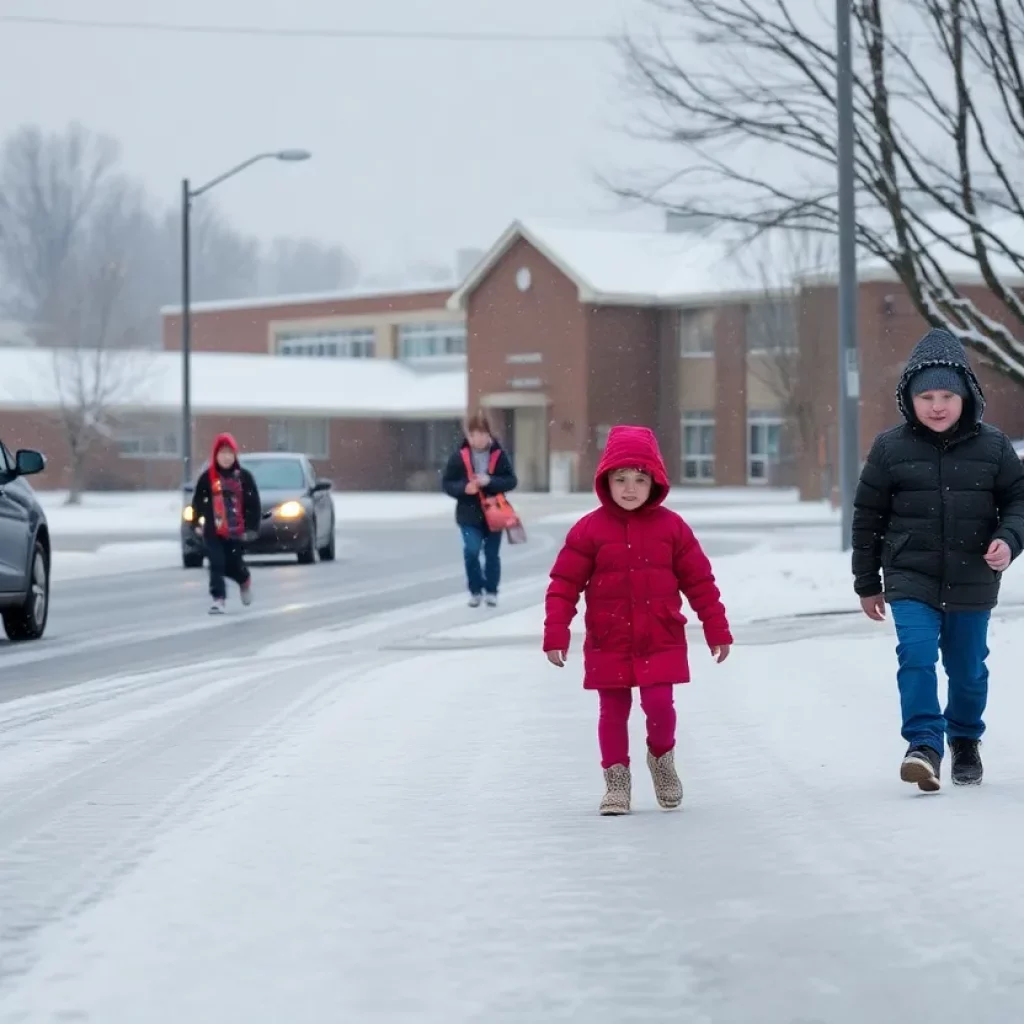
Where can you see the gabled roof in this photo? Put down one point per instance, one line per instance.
(621, 267)
(682, 268)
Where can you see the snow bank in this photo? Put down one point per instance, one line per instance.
(158, 512)
(114, 559)
(760, 585)
(707, 508)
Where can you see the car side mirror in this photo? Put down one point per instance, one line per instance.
(28, 462)
(322, 484)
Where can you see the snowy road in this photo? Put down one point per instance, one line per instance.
(331, 822)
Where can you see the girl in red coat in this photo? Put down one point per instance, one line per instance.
(632, 557)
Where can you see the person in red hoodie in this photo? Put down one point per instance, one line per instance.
(632, 557)
(227, 503)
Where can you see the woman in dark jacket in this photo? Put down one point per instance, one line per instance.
(479, 467)
(227, 503)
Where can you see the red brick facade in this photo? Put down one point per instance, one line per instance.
(555, 373)
(364, 455)
(235, 327)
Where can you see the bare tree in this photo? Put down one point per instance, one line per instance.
(73, 253)
(50, 186)
(97, 326)
(293, 266)
(939, 128)
(784, 350)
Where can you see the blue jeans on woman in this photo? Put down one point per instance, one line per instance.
(474, 543)
(923, 633)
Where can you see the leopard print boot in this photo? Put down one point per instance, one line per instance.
(667, 787)
(618, 789)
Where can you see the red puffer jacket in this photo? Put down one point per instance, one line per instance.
(632, 566)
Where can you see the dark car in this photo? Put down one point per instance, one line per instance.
(298, 512)
(24, 547)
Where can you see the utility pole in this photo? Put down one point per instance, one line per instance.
(187, 195)
(186, 335)
(848, 410)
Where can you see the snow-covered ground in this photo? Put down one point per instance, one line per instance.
(761, 584)
(157, 512)
(412, 837)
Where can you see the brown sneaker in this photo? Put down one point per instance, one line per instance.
(618, 789)
(667, 787)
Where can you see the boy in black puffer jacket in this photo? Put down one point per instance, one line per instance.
(940, 512)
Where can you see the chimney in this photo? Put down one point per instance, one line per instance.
(465, 261)
(677, 223)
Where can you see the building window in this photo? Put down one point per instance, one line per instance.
(697, 332)
(602, 436)
(772, 327)
(306, 437)
(335, 343)
(148, 438)
(764, 434)
(699, 447)
(431, 340)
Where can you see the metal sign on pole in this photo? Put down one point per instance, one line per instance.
(848, 364)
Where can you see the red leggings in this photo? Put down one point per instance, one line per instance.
(613, 725)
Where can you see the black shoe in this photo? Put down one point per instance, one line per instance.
(921, 765)
(966, 769)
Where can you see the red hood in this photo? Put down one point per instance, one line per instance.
(632, 448)
(220, 441)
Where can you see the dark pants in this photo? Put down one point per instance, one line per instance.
(474, 542)
(923, 633)
(226, 560)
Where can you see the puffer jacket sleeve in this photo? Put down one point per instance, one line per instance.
(872, 507)
(1010, 499)
(455, 478)
(252, 506)
(201, 495)
(504, 478)
(697, 582)
(569, 577)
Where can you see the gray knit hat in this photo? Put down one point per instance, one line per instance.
(939, 378)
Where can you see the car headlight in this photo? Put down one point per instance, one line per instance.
(290, 510)
(188, 513)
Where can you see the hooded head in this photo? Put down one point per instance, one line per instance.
(938, 363)
(224, 442)
(633, 448)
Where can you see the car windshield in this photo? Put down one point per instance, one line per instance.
(277, 474)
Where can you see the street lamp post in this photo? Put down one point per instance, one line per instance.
(848, 365)
(188, 194)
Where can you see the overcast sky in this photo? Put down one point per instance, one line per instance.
(420, 147)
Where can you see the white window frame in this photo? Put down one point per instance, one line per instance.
(772, 326)
(697, 333)
(153, 438)
(762, 460)
(310, 437)
(698, 466)
(431, 339)
(328, 342)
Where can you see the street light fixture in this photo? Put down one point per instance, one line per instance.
(188, 194)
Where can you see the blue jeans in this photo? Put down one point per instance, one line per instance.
(474, 542)
(962, 638)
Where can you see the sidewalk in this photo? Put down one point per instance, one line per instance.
(422, 846)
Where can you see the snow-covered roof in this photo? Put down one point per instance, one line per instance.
(312, 298)
(612, 267)
(684, 268)
(232, 383)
